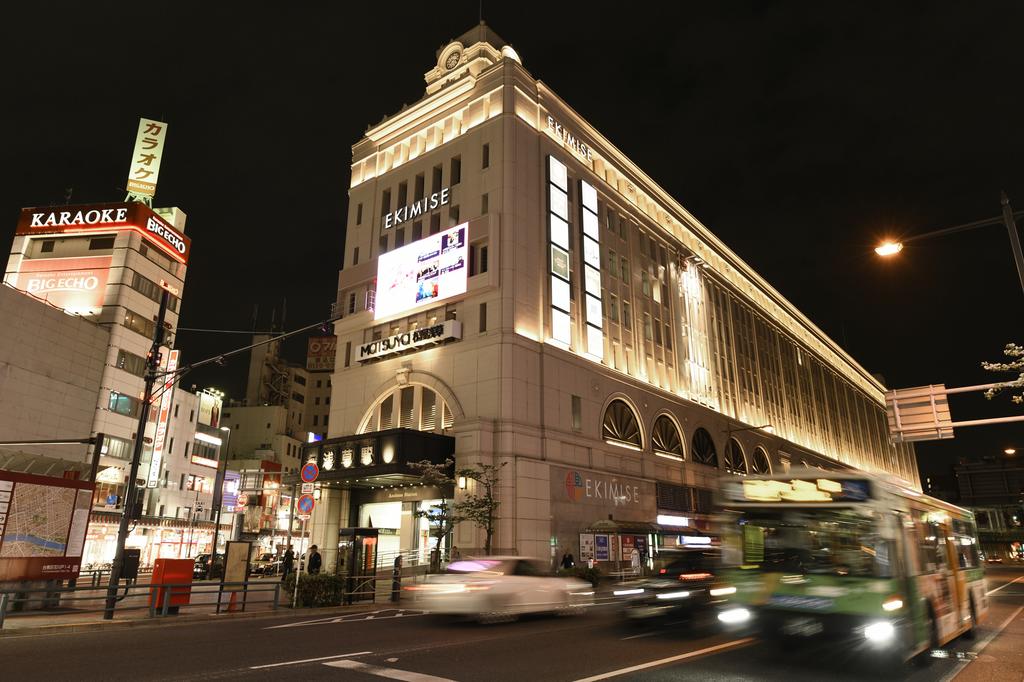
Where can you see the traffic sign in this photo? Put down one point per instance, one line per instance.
(309, 472)
(307, 488)
(306, 504)
(303, 517)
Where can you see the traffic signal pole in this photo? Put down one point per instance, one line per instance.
(132, 491)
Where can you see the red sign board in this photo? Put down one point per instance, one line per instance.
(320, 351)
(73, 284)
(106, 218)
(42, 526)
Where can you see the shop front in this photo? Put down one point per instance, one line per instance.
(368, 481)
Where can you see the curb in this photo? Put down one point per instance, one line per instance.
(170, 621)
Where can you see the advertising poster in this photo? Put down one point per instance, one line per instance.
(76, 285)
(422, 273)
(149, 148)
(601, 548)
(209, 410)
(43, 523)
(586, 546)
(320, 352)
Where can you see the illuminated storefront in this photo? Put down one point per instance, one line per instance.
(597, 330)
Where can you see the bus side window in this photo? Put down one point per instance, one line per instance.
(926, 546)
(966, 547)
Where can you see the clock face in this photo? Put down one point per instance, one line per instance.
(452, 61)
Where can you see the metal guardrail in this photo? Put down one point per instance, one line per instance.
(158, 596)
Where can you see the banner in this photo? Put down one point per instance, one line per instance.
(76, 285)
(149, 148)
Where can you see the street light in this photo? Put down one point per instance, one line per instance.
(1010, 451)
(891, 247)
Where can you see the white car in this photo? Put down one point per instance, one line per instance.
(500, 588)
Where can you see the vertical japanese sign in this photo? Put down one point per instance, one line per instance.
(163, 417)
(149, 147)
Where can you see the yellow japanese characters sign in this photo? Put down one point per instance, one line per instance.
(149, 146)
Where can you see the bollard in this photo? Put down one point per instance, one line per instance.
(277, 595)
(396, 579)
(3, 608)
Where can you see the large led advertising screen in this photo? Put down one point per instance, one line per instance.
(422, 273)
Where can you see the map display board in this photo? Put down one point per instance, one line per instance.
(42, 526)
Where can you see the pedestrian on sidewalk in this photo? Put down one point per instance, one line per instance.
(314, 560)
(287, 562)
(568, 561)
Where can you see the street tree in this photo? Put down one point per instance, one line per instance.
(481, 506)
(442, 517)
(1015, 363)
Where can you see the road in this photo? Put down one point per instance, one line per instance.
(406, 644)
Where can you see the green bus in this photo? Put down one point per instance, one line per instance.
(817, 555)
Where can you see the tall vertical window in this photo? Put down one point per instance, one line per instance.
(359, 214)
(403, 194)
(483, 204)
(417, 230)
(355, 256)
(382, 243)
(456, 174)
(418, 187)
(577, 413)
(435, 223)
(400, 237)
(485, 156)
(435, 184)
(483, 317)
(591, 239)
(558, 220)
(453, 215)
(385, 202)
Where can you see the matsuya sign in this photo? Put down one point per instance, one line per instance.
(106, 218)
(417, 338)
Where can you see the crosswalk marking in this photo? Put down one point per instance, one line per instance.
(390, 673)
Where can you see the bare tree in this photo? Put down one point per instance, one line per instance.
(442, 517)
(481, 506)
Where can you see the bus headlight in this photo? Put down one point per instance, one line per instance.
(879, 632)
(892, 604)
(733, 616)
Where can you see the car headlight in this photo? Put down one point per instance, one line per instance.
(881, 631)
(624, 593)
(721, 591)
(733, 616)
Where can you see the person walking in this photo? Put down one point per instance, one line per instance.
(287, 562)
(314, 560)
(568, 561)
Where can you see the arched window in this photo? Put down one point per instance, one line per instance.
(408, 407)
(703, 448)
(621, 426)
(759, 463)
(665, 438)
(735, 463)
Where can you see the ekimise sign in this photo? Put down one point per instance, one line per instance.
(106, 218)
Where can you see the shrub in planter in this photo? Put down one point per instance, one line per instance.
(321, 589)
(591, 575)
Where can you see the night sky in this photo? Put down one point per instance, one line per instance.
(799, 133)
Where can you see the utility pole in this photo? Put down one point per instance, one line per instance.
(132, 491)
(1011, 226)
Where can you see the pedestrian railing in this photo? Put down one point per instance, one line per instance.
(156, 599)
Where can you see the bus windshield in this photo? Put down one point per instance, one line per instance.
(839, 542)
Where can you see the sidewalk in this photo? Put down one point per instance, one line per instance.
(1001, 658)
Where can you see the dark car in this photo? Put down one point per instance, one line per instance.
(685, 588)
(207, 567)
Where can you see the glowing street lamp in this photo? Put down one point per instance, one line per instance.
(889, 248)
(1007, 219)
(1010, 451)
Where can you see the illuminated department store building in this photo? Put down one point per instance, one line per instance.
(516, 290)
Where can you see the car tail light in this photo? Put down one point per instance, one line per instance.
(695, 576)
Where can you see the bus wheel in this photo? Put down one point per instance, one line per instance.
(972, 632)
(925, 657)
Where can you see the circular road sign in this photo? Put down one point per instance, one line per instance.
(309, 472)
(306, 504)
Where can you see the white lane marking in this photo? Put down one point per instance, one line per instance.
(390, 673)
(349, 617)
(670, 659)
(308, 660)
(981, 645)
(1004, 586)
(642, 634)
